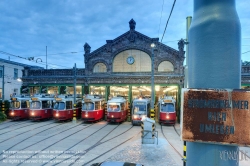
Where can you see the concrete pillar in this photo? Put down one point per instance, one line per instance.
(214, 62)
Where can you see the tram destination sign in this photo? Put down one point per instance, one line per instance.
(216, 116)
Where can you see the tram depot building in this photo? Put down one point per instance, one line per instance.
(120, 67)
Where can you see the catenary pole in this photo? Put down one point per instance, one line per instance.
(214, 62)
(3, 84)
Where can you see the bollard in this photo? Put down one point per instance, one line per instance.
(184, 153)
(74, 114)
(3, 107)
(148, 131)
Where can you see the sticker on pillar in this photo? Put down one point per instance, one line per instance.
(216, 116)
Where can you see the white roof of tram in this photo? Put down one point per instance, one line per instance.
(92, 98)
(167, 99)
(117, 100)
(20, 97)
(42, 97)
(142, 99)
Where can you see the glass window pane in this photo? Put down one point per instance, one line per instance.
(142, 61)
(165, 66)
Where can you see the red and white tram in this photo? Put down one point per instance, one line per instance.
(41, 107)
(140, 109)
(19, 107)
(92, 108)
(166, 110)
(64, 107)
(117, 109)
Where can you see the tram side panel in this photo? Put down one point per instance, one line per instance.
(64, 108)
(140, 109)
(92, 108)
(41, 108)
(117, 110)
(166, 110)
(19, 107)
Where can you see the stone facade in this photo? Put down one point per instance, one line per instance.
(131, 39)
(106, 54)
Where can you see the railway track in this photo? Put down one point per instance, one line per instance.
(110, 149)
(39, 141)
(58, 140)
(28, 131)
(30, 124)
(98, 143)
(79, 143)
(14, 123)
(170, 142)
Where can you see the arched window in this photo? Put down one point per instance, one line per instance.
(166, 66)
(100, 68)
(132, 61)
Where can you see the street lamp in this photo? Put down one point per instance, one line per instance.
(153, 48)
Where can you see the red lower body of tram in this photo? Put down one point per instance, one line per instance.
(17, 114)
(40, 114)
(66, 114)
(167, 118)
(117, 116)
(91, 116)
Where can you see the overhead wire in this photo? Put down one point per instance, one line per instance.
(245, 52)
(160, 18)
(72, 52)
(168, 20)
(41, 63)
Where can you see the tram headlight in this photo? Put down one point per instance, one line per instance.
(143, 116)
(112, 116)
(56, 114)
(135, 116)
(86, 115)
(12, 113)
(167, 117)
(32, 113)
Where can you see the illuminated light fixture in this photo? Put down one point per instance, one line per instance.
(56, 114)
(152, 45)
(12, 113)
(112, 116)
(32, 113)
(157, 88)
(86, 115)
(135, 116)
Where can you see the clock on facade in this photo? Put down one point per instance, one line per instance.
(130, 60)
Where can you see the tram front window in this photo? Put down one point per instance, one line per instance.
(24, 104)
(88, 106)
(139, 109)
(114, 107)
(59, 106)
(15, 104)
(168, 107)
(35, 105)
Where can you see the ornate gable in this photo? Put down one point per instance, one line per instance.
(130, 40)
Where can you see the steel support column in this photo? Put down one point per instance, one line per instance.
(214, 62)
